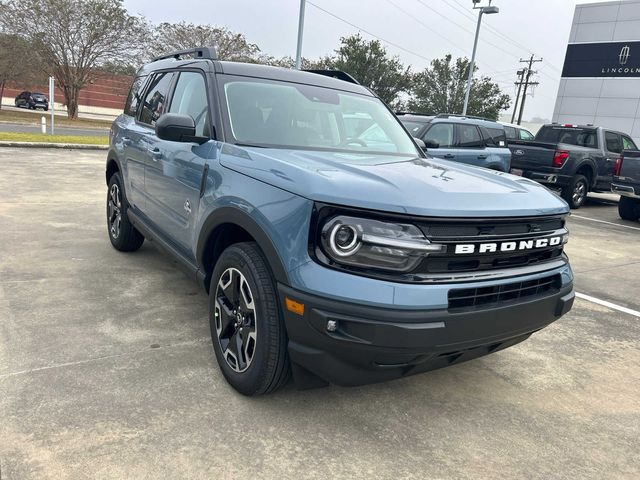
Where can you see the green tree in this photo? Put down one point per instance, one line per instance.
(13, 68)
(440, 89)
(229, 45)
(73, 38)
(369, 63)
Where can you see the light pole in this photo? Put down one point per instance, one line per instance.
(488, 10)
(300, 30)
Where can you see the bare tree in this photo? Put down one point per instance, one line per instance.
(74, 37)
(182, 35)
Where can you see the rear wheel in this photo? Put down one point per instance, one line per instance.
(122, 233)
(247, 328)
(629, 208)
(576, 192)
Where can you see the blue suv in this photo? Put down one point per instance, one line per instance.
(471, 140)
(330, 246)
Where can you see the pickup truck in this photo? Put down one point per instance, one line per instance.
(331, 247)
(576, 159)
(626, 182)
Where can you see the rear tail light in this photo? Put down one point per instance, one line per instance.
(560, 157)
(618, 166)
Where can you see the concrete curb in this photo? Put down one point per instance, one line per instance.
(68, 146)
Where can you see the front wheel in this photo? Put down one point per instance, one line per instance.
(576, 192)
(629, 208)
(247, 328)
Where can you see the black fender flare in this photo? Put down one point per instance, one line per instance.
(236, 216)
(591, 164)
(111, 157)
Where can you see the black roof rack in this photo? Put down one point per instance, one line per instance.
(447, 115)
(207, 53)
(414, 113)
(339, 74)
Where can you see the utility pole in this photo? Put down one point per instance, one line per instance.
(300, 30)
(527, 82)
(520, 73)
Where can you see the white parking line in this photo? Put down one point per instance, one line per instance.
(604, 303)
(604, 221)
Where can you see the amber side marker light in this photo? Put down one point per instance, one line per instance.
(293, 306)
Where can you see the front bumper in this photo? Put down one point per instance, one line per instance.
(372, 344)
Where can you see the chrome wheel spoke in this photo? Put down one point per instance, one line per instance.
(114, 216)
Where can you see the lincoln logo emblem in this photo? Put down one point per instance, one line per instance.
(624, 55)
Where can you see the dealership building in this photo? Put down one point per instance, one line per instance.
(601, 75)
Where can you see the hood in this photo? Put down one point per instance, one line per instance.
(418, 186)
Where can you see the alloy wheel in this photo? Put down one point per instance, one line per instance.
(235, 319)
(579, 192)
(114, 213)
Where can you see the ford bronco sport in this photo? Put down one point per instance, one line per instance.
(330, 246)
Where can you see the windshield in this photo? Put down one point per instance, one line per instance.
(289, 115)
(581, 137)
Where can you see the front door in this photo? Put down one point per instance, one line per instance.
(174, 172)
(442, 134)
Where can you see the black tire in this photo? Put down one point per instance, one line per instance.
(122, 233)
(262, 364)
(576, 192)
(629, 208)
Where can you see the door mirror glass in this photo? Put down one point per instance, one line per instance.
(175, 127)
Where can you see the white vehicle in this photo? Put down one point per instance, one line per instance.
(517, 132)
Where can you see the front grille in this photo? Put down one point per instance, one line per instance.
(479, 232)
(486, 296)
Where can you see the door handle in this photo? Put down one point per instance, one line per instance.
(126, 141)
(155, 153)
(482, 157)
(449, 156)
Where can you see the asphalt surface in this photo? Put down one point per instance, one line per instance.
(107, 371)
(25, 128)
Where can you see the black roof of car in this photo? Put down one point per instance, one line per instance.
(256, 70)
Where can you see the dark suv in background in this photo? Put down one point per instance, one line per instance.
(471, 140)
(32, 100)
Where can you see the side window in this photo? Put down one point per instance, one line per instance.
(154, 101)
(190, 98)
(495, 137)
(525, 135)
(441, 133)
(133, 99)
(612, 141)
(511, 133)
(468, 136)
(627, 143)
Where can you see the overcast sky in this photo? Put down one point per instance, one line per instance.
(415, 30)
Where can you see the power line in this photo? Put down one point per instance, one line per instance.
(427, 27)
(526, 82)
(368, 32)
(469, 31)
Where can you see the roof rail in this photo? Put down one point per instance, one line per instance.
(339, 74)
(414, 113)
(208, 53)
(447, 115)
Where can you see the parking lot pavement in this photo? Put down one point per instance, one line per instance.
(106, 367)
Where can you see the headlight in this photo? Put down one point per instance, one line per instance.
(366, 243)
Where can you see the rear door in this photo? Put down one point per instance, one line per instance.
(613, 151)
(470, 144)
(443, 134)
(173, 175)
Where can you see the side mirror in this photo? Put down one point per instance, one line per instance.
(431, 143)
(175, 127)
(419, 142)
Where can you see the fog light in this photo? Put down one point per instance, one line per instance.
(332, 326)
